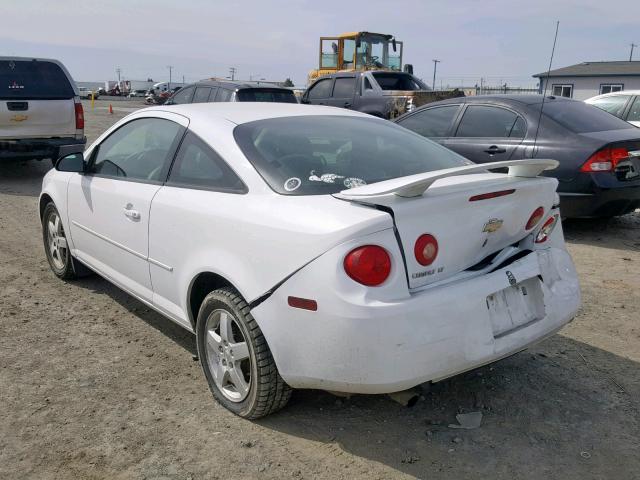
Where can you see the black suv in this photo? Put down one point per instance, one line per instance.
(231, 91)
(382, 93)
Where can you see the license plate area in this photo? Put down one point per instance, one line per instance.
(515, 307)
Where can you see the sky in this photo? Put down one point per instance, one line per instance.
(499, 40)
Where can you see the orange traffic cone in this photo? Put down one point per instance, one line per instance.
(110, 109)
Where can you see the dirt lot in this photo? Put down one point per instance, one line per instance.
(95, 385)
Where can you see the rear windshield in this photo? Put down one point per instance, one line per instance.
(579, 117)
(323, 154)
(33, 80)
(398, 81)
(266, 95)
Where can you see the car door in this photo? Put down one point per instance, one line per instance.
(343, 91)
(487, 133)
(109, 205)
(435, 123)
(320, 92)
(202, 194)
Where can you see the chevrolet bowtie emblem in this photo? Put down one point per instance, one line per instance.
(492, 225)
(19, 118)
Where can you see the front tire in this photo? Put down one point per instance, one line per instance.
(236, 359)
(55, 244)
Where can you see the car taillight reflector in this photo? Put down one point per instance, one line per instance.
(604, 160)
(303, 303)
(79, 116)
(369, 265)
(484, 196)
(535, 218)
(426, 249)
(546, 229)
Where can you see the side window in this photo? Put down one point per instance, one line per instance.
(201, 95)
(432, 122)
(519, 129)
(344, 87)
(139, 150)
(182, 96)
(486, 121)
(634, 113)
(367, 84)
(212, 94)
(322, 89)
(614, 104)
(197, 165)
(223, 95)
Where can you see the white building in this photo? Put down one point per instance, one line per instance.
(588, 79)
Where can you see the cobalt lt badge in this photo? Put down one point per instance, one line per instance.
(511, 277)
(492, 225)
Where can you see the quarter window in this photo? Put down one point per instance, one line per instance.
(182, 96)
(432, 122)
(139, 150)
(634, 113)
(322, 89)
(562, 91)
(201, 95)
(198, 165)
(611, 87)
(344, 87)
(224, 95)
(486, 121)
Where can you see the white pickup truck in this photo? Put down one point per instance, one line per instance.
(40, 109)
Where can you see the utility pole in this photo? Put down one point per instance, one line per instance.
(118, 70)
(170, 67)
(435, 67)
(182, 79)
(633, 45)
(232, 72)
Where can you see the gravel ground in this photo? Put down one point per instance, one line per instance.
(95, 385)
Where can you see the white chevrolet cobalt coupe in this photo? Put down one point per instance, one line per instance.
(313, 247)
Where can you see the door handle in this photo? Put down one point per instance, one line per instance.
(347, 104)
(493, 149)
(130, 213)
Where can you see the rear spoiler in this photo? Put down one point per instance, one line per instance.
(416, 185)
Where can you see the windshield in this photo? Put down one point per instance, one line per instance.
(398, 81)
(33, 80)
(322, 154)
(580, 117)
(266, 95)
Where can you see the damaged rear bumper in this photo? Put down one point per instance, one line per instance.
(351, 344)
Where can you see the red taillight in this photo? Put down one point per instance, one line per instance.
(369, 265)
(604, 160)
(546, 229)
(426, 249)
(79, 116)
(485, 196)
(535, 218)
(303, 303)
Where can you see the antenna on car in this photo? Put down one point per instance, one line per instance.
(544, 94)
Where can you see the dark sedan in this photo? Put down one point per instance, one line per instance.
(599, 154)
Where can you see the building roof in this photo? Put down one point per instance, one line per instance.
(595, 69)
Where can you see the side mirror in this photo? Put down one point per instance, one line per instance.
(408, 68)
(393, 44)
(73, 162)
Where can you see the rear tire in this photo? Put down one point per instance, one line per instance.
(55, 244)
(236, 359)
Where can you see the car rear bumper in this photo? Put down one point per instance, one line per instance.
(605, 203)
(35, 148)
(351, 344)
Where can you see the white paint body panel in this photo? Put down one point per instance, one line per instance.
(361, 339)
